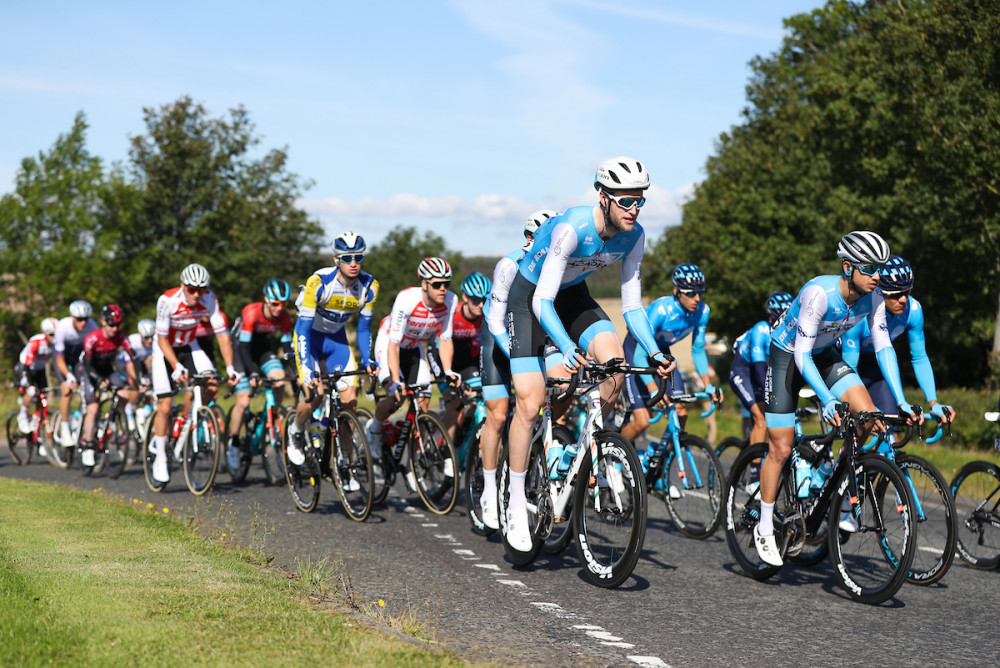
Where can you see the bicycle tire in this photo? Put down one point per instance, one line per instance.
(433, 463)
(18, 442)
(742, 511)
(474, 485)
(535, 483)
(270, 451)
(200, 460)
(697, 511)
(351, 461)
(976, 491)
(936, 527)
(100, 456)
(728, 450)
(562, 531)
(116, 445)
(871, 564)
(303, 481)
(60, 456)
(241, 439)
(147, 459)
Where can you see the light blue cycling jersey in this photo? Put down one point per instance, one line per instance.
(495, 307)
(859, 340)
(567, 249)
(819, 316)
(670, 323)
(752, 346)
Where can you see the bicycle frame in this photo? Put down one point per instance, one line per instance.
(672, 438)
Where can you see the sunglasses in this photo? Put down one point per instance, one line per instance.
(475, 301)
(897, 295)
(195, 290)
(276, 304)
(79, 319)
(116, 325)
(690, 293)
(870, 269)
(348, 259)
(437, 285)
(627, 201)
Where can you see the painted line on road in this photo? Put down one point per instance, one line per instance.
(649, 661)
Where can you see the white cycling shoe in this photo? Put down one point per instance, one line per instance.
(87, 457)
(296, 455)
(518, 533)
(160, 471)
(848, 522)
(488, 510)
(767, 548)
(24, 424)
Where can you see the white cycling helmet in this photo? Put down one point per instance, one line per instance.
(49, 325)
(147, 328)
(863, 247)
(80, 309)
(536, 220)
(348, 243)
(434, 267)
(195, 276)
(621, 174)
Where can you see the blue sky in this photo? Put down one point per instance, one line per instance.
(458, 117)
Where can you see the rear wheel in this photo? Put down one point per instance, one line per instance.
(352, 467)
(935, 520)
(20, 444)
(147, 459)
(61, 456)
(474, 491)
(303, 480)
(241, 439)
(201, 451)
(976, 490)
(693, 487)
(742, 511)
(432, 461)
(728, 450)
(271, 449)
(117, 438)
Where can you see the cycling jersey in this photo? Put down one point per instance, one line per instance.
(671, 322)
(37, 353)
(178, 322)
(468, 342)
(859, 341)
(413, 366)
(256, 332)
(567, 249)
(67, 338)
(99, 351)
(748, 374)
(140, 351)
(816, 319)
(413, 322)
(495, 308)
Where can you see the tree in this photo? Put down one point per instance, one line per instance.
(876, 116)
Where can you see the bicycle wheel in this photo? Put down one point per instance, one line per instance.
(693, 487)
(116, 444)
(61, 456)
(303, 481)
(147, 459)
(562, 528)
(727, 451)
(20, 444)
(976, 490)
(201, 451)
(535, 490)
(936, 528)
(270, 450)
(432, 460)
(609, 511)
(353, 467)
(872, 562)
(474, 490)
(105, 422)
(242, 442)
(742, 511)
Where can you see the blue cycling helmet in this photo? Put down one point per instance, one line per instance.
(348, 243)
(477, 285)
(897, 276)
(777, 303)
(688, 277)
(277, 290)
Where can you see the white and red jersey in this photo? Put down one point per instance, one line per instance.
(37, 353)
(67, 336)
(413, 322)
(177, 321)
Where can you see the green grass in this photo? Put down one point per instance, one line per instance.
(87, 581)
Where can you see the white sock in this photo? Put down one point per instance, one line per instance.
(64, 428)
(490, 481)
(518, 501)
(766, 526)
(129, 409)
(295, 427)
(160, 445)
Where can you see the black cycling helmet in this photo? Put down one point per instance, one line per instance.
(688, 277)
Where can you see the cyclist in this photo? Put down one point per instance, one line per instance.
(672, 318)
(97, 363)
(68, 345)
(418, 315)
(330, 297)
(549, 295)
(802, 351)
(30, 370)
(178, 311)
(467, 339)
(142, 359)
(255, 348)
(749, 371)
(903, 314)
(494, 364)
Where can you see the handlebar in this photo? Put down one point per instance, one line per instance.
(600, 372)
(328, 379)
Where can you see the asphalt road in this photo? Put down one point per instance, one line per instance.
(687, 604)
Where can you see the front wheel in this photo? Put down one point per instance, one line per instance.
(148, 456)
(433, 463)
(271, 448)
(117, 439)
(303, 481)
(742, 512)
(352, 467)
(201, 451)
(241, 439)
(872, 562)
(19, 443)
(609, 511)
(935, 520)
(474, 486)
(59, 455)
(976, 490)
(693, 487)
(728, 450)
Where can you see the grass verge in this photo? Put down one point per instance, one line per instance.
(85, 581)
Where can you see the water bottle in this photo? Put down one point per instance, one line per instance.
(175, 430)
(803, 475)
(553, 459)
(256, 433)
(75, 422)
(569, 454)
(390, 433)
(315, 429)
(821, 474)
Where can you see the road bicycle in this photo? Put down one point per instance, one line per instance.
(598, 497)
(40, 439)
(683, 470)
(260, 433)
(432, 465)
(336, 448)
(114, 441)
(193, 440)
(872, 560)
(976, 490)
(61, 454)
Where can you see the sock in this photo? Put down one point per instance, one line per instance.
(490, 481)
(160, 445)
(766, 526)
(130, 409)
(518, 501)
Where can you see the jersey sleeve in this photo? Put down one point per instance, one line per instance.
(635, 316)
(884, 353)
(448, 324)
(918, 352)
(563, 243)
(814, 305)
(698, 355)
(303, 327)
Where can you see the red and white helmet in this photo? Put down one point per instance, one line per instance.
(49, 325)
(434, 267)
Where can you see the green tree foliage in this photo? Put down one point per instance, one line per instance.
(878, 116)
